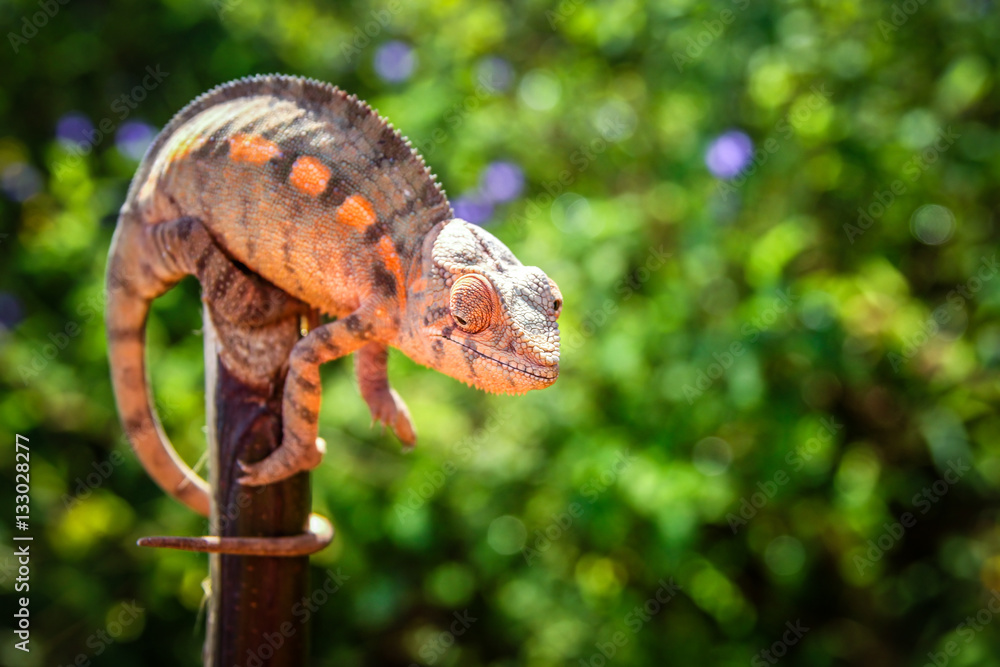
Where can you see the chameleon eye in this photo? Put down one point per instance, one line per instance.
(473, 303)
(557, 298)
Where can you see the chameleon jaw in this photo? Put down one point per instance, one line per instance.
(537, 380)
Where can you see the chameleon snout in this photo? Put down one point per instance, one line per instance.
(546, 357)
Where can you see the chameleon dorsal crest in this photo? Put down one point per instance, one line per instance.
(294, 182)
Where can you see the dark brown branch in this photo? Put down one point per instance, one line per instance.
(250, 619)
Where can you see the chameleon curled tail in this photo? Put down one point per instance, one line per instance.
(128, 307)
(135, 277)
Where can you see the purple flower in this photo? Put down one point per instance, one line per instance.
(74, 127)
(133, 138)
(471, 207)
(501, 182)
(729, 154)
(20, 181)
(10, 310)
(395, 61)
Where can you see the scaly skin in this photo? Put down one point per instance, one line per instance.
(294, 183)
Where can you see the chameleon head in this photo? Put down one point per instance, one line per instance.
(480, 316)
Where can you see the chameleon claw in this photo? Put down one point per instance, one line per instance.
(388, 409)
(281, 464)
(250, 477)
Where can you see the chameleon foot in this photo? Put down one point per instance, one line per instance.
(282, 463)
(385, 404)
(388, 408)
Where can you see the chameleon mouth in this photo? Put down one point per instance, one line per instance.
(548, 378)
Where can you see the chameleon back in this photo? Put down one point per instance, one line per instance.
(288, 174)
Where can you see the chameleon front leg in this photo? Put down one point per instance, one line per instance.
(301, 449)
(385, 404)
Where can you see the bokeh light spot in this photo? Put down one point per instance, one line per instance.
(452, 584)
(711, 456)
(495, 73)
(133, 138)
(817, 310)
(502, 182)
(785, 555)
(74, 128)
(471, 207)
(571, 213)
(932, 224)
(20, 181)
(615, 120)
(729, 154)
(507, 534)
(10, 310)
(395, 61)
(540, 90)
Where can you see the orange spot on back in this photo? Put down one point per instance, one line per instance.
(356, 211)
(252, 148)
(387, 251)
(310, 175)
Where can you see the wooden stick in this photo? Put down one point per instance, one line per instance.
(253, 596)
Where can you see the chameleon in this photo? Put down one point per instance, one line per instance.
(296, 183)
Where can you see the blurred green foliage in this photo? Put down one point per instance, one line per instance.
(759, 380)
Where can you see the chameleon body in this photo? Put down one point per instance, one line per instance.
(296, 183)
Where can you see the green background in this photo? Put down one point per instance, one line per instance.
(841, 403)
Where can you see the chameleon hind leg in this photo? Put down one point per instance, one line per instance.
(233, 291)
(146, 261)
(385, 404)
(162, 255)
(172, 250)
